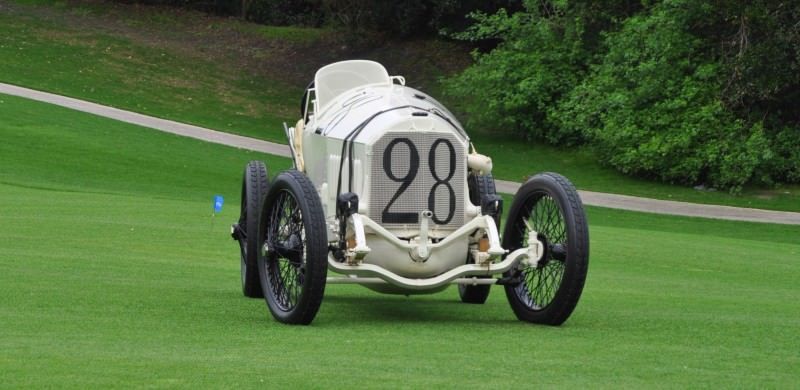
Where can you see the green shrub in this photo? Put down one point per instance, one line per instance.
(513, 86)
(652, 106)
(678, 90)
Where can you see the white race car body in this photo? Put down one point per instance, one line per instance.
(404, 155)
(388, 192)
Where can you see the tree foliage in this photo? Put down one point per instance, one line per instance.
(407, 17)
(679, 90)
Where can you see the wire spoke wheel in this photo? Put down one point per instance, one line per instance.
(548, 206)
(541, 283)
(292, 264)
(286, 264)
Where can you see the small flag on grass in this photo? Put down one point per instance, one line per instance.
(218, 201)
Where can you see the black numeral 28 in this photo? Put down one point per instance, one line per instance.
(413, 168)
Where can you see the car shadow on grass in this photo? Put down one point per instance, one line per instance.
(343, 309)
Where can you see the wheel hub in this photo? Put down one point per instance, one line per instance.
(547, 250)
(558, 251)
(291, 249)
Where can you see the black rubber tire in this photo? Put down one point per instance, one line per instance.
(479, 188)
(548, 293)
(293, 278)
(255, 184)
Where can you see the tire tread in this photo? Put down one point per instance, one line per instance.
(256, 186)
(316, 249)
(566, 300)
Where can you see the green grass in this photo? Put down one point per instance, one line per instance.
(295, 35)
(109, 54)
(68, 151)
(114, 273)
(116, 70)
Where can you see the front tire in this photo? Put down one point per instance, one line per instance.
(549, 292)
(293, 267)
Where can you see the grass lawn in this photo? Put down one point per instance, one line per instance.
(247, 79)
(114, 273)
(64, 54)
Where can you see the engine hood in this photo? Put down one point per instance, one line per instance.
(364, 114)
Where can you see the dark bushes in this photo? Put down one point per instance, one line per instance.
(682, 91)
(398, 18)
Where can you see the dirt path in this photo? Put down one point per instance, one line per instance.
(624, 202)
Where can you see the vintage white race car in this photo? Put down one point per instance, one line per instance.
(388, 192)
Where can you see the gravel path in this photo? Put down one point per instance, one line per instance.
(624, 202)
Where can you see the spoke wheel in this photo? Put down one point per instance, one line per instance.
(293, 263)
(548, 293)
(255, 183)
(286, 237)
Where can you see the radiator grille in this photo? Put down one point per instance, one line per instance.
(399, 192)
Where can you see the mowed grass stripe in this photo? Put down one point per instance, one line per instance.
(52, 147)
(128, 306)
(105, 284)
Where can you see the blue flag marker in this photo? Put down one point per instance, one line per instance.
(218, 201)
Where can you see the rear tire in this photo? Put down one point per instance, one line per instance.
(479, 188)
(255, 184)
(294, 267)
(549, 292)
